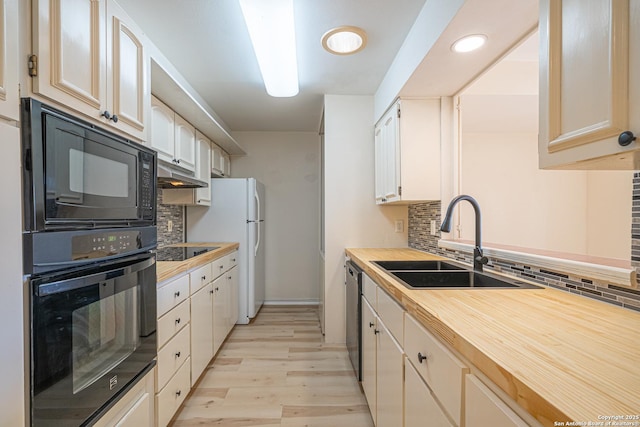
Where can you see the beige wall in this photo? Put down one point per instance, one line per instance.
(288, 164)
(352, 219)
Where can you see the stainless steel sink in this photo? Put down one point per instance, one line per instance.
(418, 265)
(457, 280)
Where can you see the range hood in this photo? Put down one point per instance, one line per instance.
(171, 177)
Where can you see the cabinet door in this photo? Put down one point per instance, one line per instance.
(9, 104)
(389, 379)
(583, 113)
(484, 408)
(369, 328)
(126, 88)
(185, 149)
(69, 41)
(220, 289)
(203, 169)
(201, 331)
(226, 170)
(419, 403)
(216, 161)
(140, 414)
(387, 152)
(233, 296)
(161, 132)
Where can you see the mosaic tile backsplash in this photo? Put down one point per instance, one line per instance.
(420, 216)
(168, 213)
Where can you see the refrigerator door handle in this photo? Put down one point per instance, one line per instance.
(257, 220)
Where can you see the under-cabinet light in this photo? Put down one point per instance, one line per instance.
(272, 31)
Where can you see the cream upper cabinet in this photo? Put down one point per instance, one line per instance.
(203, 169)
(589, 84)
(185, 144)
(407, 152)
(172, 136)
(90, 57)
(161, 130)
(9, 105)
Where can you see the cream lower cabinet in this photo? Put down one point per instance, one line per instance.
(411, 378)
(201, 330)
(420, 405)
(174, 347)
(135, 408)
(382, 364)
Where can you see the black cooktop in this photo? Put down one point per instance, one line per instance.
(182, 253)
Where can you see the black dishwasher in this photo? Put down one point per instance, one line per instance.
(353, 283)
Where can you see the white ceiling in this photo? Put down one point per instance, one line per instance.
(207, 42)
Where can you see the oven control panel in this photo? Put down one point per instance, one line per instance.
(100, 245)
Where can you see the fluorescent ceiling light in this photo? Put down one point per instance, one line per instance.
(272, 31)
(469, 43)
(344, 40)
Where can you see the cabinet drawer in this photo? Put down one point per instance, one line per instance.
(232, 260)
(483, 408)
(170, 323)
(217, 267)
(392, 315)
(369, 291)
(441, 370)
(171, 397)
(200, 277)
(172, 294)
(172, 356)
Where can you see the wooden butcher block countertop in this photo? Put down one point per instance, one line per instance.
(561, 356)
(169, 269)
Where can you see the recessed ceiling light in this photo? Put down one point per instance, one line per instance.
(344, 40)
(469, 43)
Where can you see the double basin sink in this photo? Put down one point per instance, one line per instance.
(422, 274)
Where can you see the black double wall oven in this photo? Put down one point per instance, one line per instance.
(89, 261)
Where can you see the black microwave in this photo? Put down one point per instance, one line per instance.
(79, 176)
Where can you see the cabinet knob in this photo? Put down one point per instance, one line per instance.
(626, 138)
(178, 354)
(178, 393)
(178, 321)
(376, 332)
(106, 114)
(176, 294)
(229, 277)
(114, 118)
(204, 277)
(217, 289)
(371, 324)
(421, 357)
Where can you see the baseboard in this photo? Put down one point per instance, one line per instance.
(292, 302)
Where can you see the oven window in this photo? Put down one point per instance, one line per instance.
(87, 174)
(104, 333)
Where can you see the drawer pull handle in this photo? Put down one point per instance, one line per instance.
(176, 294)
(178, 321)
(371, 324)
(178, 354)
(421, 357)
(178, 393)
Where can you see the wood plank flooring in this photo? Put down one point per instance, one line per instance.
(278, 372)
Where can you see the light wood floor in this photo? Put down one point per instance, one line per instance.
(277, 372)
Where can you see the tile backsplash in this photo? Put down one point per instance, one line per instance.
(421, 215)
(175, 214)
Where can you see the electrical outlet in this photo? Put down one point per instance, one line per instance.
(169, 226)
(399, 226)
(433, 227)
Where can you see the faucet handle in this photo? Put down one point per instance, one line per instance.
(482, 259)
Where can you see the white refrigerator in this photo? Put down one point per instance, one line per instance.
(236, 215)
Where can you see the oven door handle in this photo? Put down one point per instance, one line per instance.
(50, 286)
